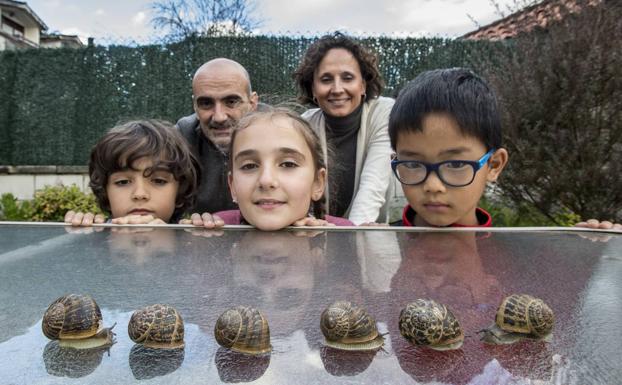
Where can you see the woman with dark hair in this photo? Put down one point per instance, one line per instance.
(341, 77)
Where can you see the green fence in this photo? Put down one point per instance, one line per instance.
(55, 103)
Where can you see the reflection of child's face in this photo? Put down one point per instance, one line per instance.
(277, 269)
(435, 203)
(141, 245)
(273, 176)
(130, 192)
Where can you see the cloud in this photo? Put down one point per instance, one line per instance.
(100, 12)
(139, 18)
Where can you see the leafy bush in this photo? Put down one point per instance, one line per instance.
(13, 210)
(505, 214)
(561, 94)
(52, 202)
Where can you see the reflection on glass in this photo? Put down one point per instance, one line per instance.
(147, 363)
(239, 367)
(274, 272)
(140, 245)
(346, 363)
(70, 362)
(448, 268)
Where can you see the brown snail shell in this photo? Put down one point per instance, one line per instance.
(76, 320)
(428, 323)
(157, 326)
(243, 329)
(349, 327)
(520, 316)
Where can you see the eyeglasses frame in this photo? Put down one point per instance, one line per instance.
(429, 167)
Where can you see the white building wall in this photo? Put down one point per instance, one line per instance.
(23, 186)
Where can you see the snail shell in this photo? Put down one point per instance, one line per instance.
(429, 323)
(349, 327)
(243, 329)
(520, 316)
(157, 326)
(76, 321)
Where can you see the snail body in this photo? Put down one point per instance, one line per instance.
(428, 323)
(243, 329)
(349, 327)
(157, 326)
(520, 316)
(75, 320)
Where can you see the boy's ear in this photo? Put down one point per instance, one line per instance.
(231, 187)
(319, 184)
(497, 162)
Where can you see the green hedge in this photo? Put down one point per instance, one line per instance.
(54, 104)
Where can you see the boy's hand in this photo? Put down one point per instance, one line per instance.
(311, 221)
(83, 219)
(138, 220)
(596, 224)
(206, 220)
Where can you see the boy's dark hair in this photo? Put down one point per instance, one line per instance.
(158, 140)
(303, 76)
(311, 139)
(457, 92)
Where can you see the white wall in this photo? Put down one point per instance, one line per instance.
(23, 186)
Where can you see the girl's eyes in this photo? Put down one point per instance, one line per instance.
(248, 166)
(289, 164)
(159, 181)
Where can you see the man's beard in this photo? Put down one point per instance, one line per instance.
(227, 124)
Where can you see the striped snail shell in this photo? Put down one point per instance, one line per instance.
(243, 329)
(157, 326)
(76, 320)
(520, 316)
(349, 327)
(429, 323)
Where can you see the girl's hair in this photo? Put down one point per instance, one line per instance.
(158, 140)
(303, 127)
(368, 62)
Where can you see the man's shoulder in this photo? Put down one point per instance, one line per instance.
(188, 123)
(187, 126)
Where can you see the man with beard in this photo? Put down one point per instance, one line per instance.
(221, 95)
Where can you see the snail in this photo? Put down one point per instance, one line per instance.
(157, 326)
(76, 321)
(243, 329)
(349, 327)
(520, 316)
(428, 323)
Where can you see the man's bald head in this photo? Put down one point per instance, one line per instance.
(221, 95)
(223, 67)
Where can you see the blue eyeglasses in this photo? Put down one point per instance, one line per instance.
(454, 173)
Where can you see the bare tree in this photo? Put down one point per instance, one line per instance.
(184, 18)
(502, 11)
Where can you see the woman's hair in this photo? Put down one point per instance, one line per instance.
(303, 127)
(303, 76)
(157, 140)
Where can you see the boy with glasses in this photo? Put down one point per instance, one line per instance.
(445, 130)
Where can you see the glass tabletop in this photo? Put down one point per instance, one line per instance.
(291, 276)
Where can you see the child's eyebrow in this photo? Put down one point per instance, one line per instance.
(281, 150)
(245, 154)
(408, 153)
(291, 151)
(445, 152)
(455, 151)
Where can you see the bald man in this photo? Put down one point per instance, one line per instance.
(221, 95)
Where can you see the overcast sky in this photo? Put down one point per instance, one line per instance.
(126, 20)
